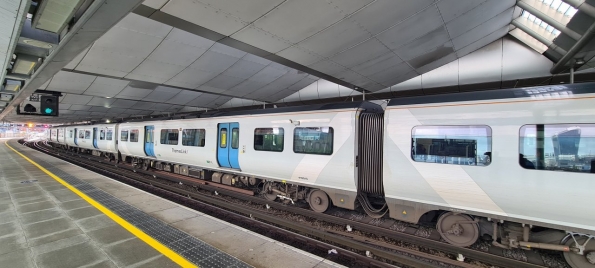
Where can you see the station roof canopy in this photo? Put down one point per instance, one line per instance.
(115, 59)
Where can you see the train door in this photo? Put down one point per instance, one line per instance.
(149, 131)
(95, 137)
(228, 142)
(76, 137)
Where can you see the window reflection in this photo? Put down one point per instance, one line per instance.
(457, 145)
(563, 147)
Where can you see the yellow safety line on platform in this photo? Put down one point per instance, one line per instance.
(128, 226)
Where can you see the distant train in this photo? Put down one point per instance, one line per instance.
(512, 165)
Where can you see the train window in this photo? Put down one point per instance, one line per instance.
(70, 134)
(124, 135)
(268, 139)
(108, 135)
(193, 137)
(134, 135)
(313, 140)
(102, 134)
(235, 138)
(559, 147)
(223, 138)
(169, 136)
(87, 134)
(81, 134)
(456, 145)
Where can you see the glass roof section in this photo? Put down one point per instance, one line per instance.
(556, 10)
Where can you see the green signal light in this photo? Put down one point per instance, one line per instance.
(48, 110)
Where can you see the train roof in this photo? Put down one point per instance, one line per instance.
(551, 91)
(368, 106)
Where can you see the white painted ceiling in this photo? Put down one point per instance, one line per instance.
(187, 55)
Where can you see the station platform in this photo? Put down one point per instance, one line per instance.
(55, 214)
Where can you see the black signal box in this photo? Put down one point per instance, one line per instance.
(49, 105)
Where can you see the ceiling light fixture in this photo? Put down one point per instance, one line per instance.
(53, 15)
(24, 64)
(12, 85)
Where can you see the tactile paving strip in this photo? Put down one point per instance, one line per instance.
(191, 248)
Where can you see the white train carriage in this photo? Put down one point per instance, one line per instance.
(84, 138)
(520, 155)
(53, 135)
(105, 140)
(309, 146)
(61, 139)
(71, 136)
(131, 140)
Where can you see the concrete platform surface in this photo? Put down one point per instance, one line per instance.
(45, 224)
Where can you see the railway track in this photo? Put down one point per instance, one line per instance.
(352, 248)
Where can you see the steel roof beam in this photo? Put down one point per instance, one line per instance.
(97, 19)
(549, 20)
(539, 37)
(582, 6)
(585, 39)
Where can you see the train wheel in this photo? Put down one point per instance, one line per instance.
(318, 201)
(146, 164)
(458, 229)
(587, 260)
(267, 191)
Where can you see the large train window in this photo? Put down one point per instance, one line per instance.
(134, 135)
(87, 134)
(169, 136)
(268, 139)
(313, 140)
(102, 134)
(108, 135)
(193, 137)
(456, 145)
(81, 134)
(124, 135)
(560, 147)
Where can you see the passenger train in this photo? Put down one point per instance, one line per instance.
(512, 166)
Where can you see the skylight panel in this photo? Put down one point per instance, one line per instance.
(548, 29)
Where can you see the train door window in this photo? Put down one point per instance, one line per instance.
(169, 136)
(313, 140)
(223, 138)
(148, 135)
(70, 134)
(134, 135)
(102, 134)
(193, 137)
(87, 134)
(109, 134)
(124, 135)
(268, 139)
(81, 134)
(558, 147)
(235, 138)
(456, 145)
